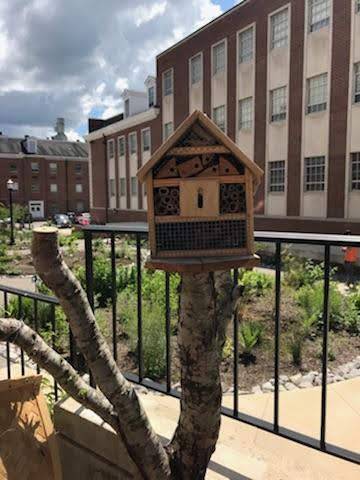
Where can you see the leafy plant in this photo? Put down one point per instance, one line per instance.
(227, 349)
(255, 283)
(299, 271)
(250, 335)
(295, 346)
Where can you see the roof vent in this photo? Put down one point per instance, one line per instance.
(30, 145)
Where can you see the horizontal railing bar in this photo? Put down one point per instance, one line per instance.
(260, 236)
(27, 294)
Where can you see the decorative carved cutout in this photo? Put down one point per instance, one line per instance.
(190, 167)
(167, 201)
(232, 198)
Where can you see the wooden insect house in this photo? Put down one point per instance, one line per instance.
(200, 189)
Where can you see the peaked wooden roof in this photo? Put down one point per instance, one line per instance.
(218, 134)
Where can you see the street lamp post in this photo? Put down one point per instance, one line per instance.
(11, 186)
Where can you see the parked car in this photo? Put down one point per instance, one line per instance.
(61, 220)
(82, 220)
(72, 216)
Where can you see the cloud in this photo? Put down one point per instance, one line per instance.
(68, 58)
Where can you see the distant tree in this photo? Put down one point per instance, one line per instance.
(205, 309)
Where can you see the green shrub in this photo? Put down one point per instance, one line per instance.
(153, 328)
(299, 271)
(227, 349)
(255, 283)
(250, 335)
(311, 300)
(295, 346)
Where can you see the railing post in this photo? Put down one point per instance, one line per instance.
(236, 354)
(89, 279)
(36, 325)
(168, 332)
(22, 357)
(8, 362)
(114, 295)
(53, 327)
(325, 346)
(277, 333)
(139, 307)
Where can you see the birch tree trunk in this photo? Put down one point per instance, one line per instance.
(204, 313)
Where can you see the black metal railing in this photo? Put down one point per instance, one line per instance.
(139, 233)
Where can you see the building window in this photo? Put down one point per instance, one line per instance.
(78, 168)
(112, 187)
(278, 104)
(151, 96)
(357, 82)
(319, 14)
(133, 186)
(13, 168)
(78, 188)
(35, 187)
(314, 174)
(317, 93)
(196, 69)
(35, 167)
(127, 108)
(280, 29)
(122, 187)
(80, 206)
(121, 146)
(168, 130)
(219, 58)
(219, 117)
(53, 168)
(355, 171)
(168, 83)
(246, 45)
(146, 140)
(110, 149)
(245, 113)
(277, 176)
(53, 188)
(132, 143)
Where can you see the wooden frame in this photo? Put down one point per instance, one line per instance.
(208, 167)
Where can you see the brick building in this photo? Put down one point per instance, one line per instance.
(50, 176)
(282, 79)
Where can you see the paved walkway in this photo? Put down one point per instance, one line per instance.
(245, 452)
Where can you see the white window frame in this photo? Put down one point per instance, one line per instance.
(216, 110)
(53, 168)
(143, 132)
(317, 103)
(168, 129)
(122, 185)
(131, 150)
(279, 36)
(168, 82)
(121, 140)
(315, 20)
(357, 82)
(111, 149)
(355, 172)
(196, 76)
(278, 104)
(53, 187)
(317, 183)
(37, 185)
(218, 67)
(78, 188)
(133, 186)
(112, 192)
(79, 170)
(151, 96)
(246, 115)
(80, 202)
(245, 45)
(276, 176)
(35, 167)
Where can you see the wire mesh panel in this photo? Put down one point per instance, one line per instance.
(232, 198)
(201, 235)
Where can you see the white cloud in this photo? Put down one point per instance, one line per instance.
(53, 63)
(144, 14)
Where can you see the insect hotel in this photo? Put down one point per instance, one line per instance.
(200, 189)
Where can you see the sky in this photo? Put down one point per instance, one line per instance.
(73, 58)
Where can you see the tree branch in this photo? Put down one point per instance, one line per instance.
(17, 332)
(142, 444)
